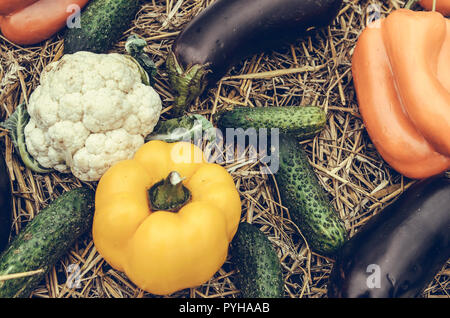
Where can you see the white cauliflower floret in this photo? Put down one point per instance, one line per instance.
(112, 146)
(89, 112)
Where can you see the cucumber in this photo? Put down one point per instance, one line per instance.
(102, 24)
(259, 273)
(45, 240)
(302, 121)
(308, 203)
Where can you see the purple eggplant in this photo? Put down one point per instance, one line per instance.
(399, 251)
(5, 204)
(229, 31)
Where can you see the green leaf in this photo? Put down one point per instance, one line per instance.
(186, 128)
(135, 48)
(15, 124)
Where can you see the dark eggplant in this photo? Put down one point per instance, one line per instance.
(5, 204)
(228, 31)
(400, 250)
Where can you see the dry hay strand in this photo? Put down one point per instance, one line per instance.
(313, 71)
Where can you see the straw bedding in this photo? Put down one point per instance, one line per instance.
(312, 71)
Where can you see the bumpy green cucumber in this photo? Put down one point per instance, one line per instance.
(302, 121)
(102, 24)
(44, 241)
(259, 273)
(308, 203)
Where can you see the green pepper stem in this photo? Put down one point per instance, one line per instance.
(169, 194)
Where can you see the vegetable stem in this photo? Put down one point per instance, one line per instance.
(188, 83)
(169, 194)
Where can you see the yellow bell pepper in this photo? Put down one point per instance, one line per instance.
(166, 217)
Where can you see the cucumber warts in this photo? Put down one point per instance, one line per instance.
(259, 273)
(308, 203)
(103, 22)
(301, 121)
(44, 241)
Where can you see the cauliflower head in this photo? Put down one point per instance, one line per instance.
(89, 112)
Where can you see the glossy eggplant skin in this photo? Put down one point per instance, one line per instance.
(5, 204)
(399, 251)
(228, 31)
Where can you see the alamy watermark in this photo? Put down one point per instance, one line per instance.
(373, 16)
(74, 19)
(233, 145)
(74, 276)
(374, 279)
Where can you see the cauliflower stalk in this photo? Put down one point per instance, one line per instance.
(89, 112)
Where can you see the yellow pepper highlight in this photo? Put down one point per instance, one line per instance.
(161, 251)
